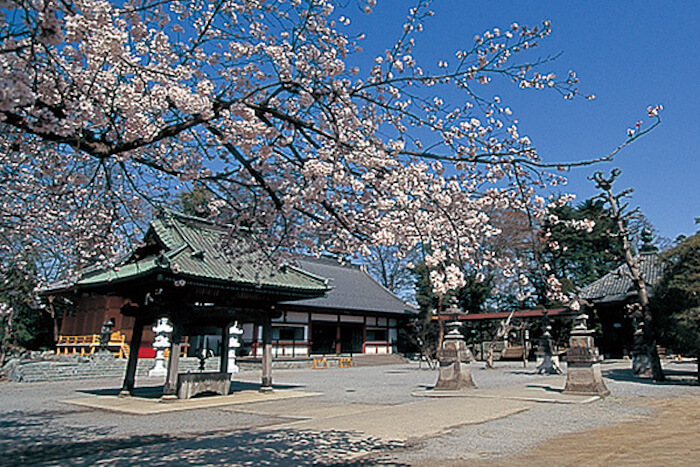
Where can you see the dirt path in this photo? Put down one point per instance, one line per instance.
(671, 436)
(668, 437)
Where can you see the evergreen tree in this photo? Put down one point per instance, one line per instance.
(578, 256)
(676, 300)
(23, 323)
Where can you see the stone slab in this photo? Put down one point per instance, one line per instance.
(400, 422)
(546, 389)
(144, 406)
(415, 420)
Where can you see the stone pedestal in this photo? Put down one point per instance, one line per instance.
(642, 362)
(454, 362)
(192, 384)
(583, 374)
(641, 355)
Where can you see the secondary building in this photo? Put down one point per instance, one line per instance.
(610, 296)
(356, 316)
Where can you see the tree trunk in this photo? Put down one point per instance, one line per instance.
(7, 336)
(649, 332)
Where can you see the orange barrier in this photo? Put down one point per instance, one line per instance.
(345, 362)
(320, 363)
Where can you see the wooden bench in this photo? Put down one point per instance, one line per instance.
(90, 343)
(514, 352)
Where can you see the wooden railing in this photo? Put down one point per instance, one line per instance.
(90, 343)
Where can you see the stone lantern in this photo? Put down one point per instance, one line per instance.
(160, 343)
(547, 362)
(234, 342)
(454, 358)
(583, 375)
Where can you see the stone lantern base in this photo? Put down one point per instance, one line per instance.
(454, 362)
(584, 374)
(455, 376)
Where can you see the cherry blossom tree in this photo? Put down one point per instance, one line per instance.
(107, 108)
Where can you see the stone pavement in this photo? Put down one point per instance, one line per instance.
(395, 422)
(150, 406)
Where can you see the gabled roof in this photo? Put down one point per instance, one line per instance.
(198, 250)
(617, 286)
(352, 289)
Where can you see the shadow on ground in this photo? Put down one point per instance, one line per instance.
(673, 377)
(23, 433)
(23, 446)
(546, 388)
(155, 392)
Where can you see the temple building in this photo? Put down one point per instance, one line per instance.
(197, 273)
(609, 296)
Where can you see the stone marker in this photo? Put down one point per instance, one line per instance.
(583, 374)
(454, 362)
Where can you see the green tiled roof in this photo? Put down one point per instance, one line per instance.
(195, 249)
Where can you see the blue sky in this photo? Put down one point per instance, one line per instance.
(629, 54)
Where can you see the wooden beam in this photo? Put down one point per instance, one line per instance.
(223, 362)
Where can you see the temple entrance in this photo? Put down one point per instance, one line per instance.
(335, 338)
(351, 338)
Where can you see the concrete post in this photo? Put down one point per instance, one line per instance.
(170, 388)
(267, 355)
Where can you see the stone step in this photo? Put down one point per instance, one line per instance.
(60, 371)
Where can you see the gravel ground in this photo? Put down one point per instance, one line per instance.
(544, 421)
(36, 428)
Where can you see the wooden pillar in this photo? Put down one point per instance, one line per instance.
(338, 342)
(135, 345)
(223, 365)
(170, 387)
(267, 355)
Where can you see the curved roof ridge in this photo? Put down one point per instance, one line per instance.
(616, 284)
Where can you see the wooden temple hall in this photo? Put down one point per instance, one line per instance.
(203, 279)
